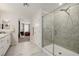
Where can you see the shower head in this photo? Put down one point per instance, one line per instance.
(66, 10)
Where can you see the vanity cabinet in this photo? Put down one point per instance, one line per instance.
(4, 44)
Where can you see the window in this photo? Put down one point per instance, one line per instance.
(26, 28)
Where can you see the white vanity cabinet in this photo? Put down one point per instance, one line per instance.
(4, 43)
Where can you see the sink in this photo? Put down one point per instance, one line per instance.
(3, 32)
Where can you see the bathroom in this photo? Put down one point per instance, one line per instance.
(53, 28)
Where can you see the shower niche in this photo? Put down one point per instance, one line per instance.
(61, 32)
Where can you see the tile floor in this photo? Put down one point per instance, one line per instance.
(24, 38)
(25, 49)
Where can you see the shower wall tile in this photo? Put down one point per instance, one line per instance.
(67, 28)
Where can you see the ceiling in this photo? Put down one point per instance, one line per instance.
(18, 8)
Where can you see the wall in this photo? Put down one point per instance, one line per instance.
(36, 32)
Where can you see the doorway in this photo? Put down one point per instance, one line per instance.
(24, 32)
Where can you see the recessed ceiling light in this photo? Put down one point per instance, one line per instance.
(60, 3)
(25, 4)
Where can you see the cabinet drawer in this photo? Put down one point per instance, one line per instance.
(2, 51)
(1, 42)
(4, 44)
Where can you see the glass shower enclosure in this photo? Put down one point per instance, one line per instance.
(47, 32)
(61, 32)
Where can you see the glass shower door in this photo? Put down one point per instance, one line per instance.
(61, 32)
(47, 33)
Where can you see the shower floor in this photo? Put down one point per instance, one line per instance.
(57, 49)
(49, 48)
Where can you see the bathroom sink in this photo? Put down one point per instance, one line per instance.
(3, 32)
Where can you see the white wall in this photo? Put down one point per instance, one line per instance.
(36, 37)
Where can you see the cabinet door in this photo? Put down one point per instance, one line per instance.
(4, 44)
(0, 46)
(67, 32)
